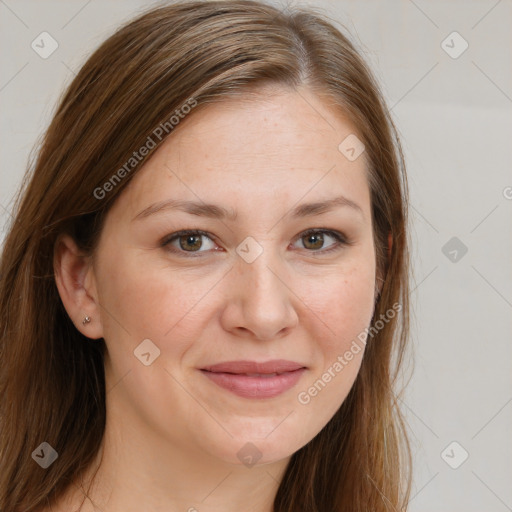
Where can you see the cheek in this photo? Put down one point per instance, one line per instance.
(337, 356)
(343, 305)
(343, 308)
(148, 298)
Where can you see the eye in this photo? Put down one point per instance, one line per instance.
(314, 240)
(187, 240)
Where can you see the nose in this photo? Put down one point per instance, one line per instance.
(260, 300)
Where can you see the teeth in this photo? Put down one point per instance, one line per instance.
(260, 374)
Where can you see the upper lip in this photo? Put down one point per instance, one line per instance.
(241, 367)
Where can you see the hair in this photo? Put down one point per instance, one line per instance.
(52, 385)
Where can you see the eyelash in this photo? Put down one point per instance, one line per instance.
(341, 240)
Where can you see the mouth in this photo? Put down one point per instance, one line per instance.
(250, 379)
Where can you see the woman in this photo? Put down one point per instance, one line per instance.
(204, 295)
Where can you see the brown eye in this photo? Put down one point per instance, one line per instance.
(193, 241)
(188, 241)
(314, 239)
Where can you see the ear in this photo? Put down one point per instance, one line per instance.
(74, 276)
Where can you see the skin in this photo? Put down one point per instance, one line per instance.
(172, 435)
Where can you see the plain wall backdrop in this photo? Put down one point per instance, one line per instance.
(445, 68)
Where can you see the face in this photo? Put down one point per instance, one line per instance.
(253, 286)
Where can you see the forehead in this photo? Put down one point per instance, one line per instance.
(278, 142)
(277, 124)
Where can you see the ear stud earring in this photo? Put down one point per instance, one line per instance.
(86, 320)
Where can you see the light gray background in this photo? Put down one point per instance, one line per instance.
(454, 116)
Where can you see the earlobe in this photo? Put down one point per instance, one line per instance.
(73, 273)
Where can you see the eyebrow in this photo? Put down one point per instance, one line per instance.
(219, 212)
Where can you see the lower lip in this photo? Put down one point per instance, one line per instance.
(255, 387)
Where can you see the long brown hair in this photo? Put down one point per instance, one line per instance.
(52, 386)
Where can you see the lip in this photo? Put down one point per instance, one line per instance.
(233, 376)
